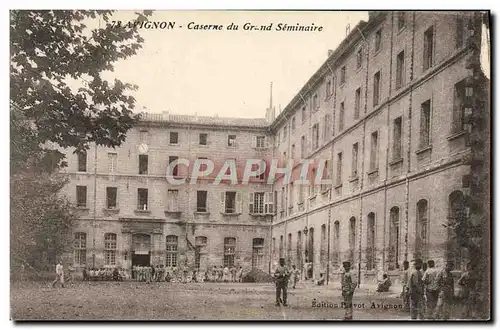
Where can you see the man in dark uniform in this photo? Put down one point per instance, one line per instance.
(348, 285)
(281, 275)
(416, 286)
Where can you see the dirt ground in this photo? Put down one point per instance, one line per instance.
(191, 301)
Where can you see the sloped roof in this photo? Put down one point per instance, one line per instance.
(204, 120)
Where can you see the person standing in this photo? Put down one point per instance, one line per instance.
(59, 274)
(431, 289)
(226, 274)
(468, 294)
(416, 286)
(70, 274)
(446, 291)
(233, 274)
(281, 276)
(405, 279)
(295, 276)
(239, 275)
(348, 287)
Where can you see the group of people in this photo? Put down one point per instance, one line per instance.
(105, 274)
(224, 274)
(430, 294)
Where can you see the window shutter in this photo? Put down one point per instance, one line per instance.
(267, 142)
(270, 202)
(254, 142)
(250, 203)
(239, 203)
(223, 201)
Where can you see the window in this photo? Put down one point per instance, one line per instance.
(460, 28)
(322, 247)
(256, 205)
(260, 142)
(258, 253)
(82, 161)
(293, 124)
(357, 103)
(201, 201)
(394, 238)
(110, 249)
(428, 48)
(285, 132)
(396, 139)
(278, 139)
(229, 251)
(400, 69)
(312, 183)
(299, 249)
(143, 164)
(142, 199)
(315, 104)
(376, 88)
(301, 194)
(173, 200)
(315, 136)
(421, 229)
(378, 40)
(281, 246)
(326, 128)
(370, 242)
(359, 58)
(303, 146)
(282, 201)
(231, 140)
(342, 75)
(112, 161)
(336, 244)
(328, 88)
(326, 175)
(231, 201)
(374, 151)
(289, 249)
(459, 97)
(352, 237)
(175, 169)
(293, 151)
(425, 124)
(111, 193)
(401, 20)
(200, 243)
(339, 169)
(354, 165)
(144, 136)
(81, 196)
(303, 114)
(311, 253)
(174, 137)
(80, 249)
(341, 116)
(291, 193)
(203, 139)
(171, 244)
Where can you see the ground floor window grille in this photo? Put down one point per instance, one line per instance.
(171, 256)
(110, 249)
(80, 249)
(229, 251)
(258, 253)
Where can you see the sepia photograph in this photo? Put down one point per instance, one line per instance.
(253, 165)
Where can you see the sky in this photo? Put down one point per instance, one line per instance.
(228, 73)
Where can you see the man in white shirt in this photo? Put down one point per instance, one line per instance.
(431, 283)
(59, 274)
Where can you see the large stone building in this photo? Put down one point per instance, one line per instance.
(386, 110)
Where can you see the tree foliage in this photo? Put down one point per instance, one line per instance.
(50, 50)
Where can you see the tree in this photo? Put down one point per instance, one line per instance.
(49, 49)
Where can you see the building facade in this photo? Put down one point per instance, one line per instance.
(386, 110)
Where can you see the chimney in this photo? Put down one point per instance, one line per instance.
(330, 52)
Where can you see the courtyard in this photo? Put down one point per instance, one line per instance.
(193, 301)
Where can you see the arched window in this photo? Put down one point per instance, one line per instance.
(289, 249)
(457, 214)
(299, 249)
(311, 245)
(229, 251)
(80, 249)
(258, 253)
(110, 249)
(352, 238)
(336, 244)
(281, 246)
(200, 243)
(171, 245)
(370, 241)
(421, 229)
(322, 251)
(394, 238)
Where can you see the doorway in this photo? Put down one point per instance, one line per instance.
(141, 259)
